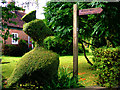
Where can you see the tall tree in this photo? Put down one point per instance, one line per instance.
(59, 17)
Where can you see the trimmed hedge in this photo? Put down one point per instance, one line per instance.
(37, 30)
(29, 17)
(10, 50)
(107, 65)
(15, 50)
(38, 66)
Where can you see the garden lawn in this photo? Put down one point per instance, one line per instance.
(85, 74)
(8, 64)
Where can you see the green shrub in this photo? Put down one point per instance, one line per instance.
(37, 30)
(23, 45)
(29, 17)
(15, 50)
(11, 50)
(37, 66)
(50, 42)
(80, 49)
(107, 65)
(58, 45)
(65, 81)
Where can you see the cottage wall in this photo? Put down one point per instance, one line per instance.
(21, 35)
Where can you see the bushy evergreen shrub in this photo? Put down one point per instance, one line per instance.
(29, 17)
(23, 45)
(39, 65)
(8, 50)
(60, 46)
(15, 50)
(37, 30)
(107, 65)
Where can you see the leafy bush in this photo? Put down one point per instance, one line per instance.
(60, 46)
(65, 81)
(11, 50)
(29, 17)
(107, 65)
(15, 50)
(80, 49)
(23, 45)
(37, 66)
(50, 42)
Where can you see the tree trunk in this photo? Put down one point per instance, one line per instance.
(85, 54)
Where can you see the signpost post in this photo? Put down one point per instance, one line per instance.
(75, 33)
(75, 42)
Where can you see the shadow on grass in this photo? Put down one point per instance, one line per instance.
(5, 62)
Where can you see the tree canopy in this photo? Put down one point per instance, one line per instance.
(59, 17)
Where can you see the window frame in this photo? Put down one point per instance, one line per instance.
(13, 41)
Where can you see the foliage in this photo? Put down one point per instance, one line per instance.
(10, 50)
(37, 30)
(37, 66)
(23, 45)
(58, 45)
(106, 63)
(65, 81)
(13, 50)
(80, 49)
(59, 17)
(29, 17)
(6, 16)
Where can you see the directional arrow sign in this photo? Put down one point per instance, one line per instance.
(90, 11)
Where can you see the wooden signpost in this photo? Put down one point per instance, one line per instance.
(75, 33)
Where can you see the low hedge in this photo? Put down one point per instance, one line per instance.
(10, 50)
(15, 50)
(107, 65)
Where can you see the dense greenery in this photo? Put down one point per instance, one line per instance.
(60, 46)
(37, 66)
(106, 63)
(13, 50)
(9, 63)
(37, 30)
(65, 81)
(29, 17)
(59, 17)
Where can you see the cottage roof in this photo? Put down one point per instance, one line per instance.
(17, 19)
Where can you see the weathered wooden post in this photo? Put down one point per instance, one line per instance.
(75, 33)
(75, 42)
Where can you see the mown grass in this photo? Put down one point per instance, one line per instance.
(85, 73)
(8, 64)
